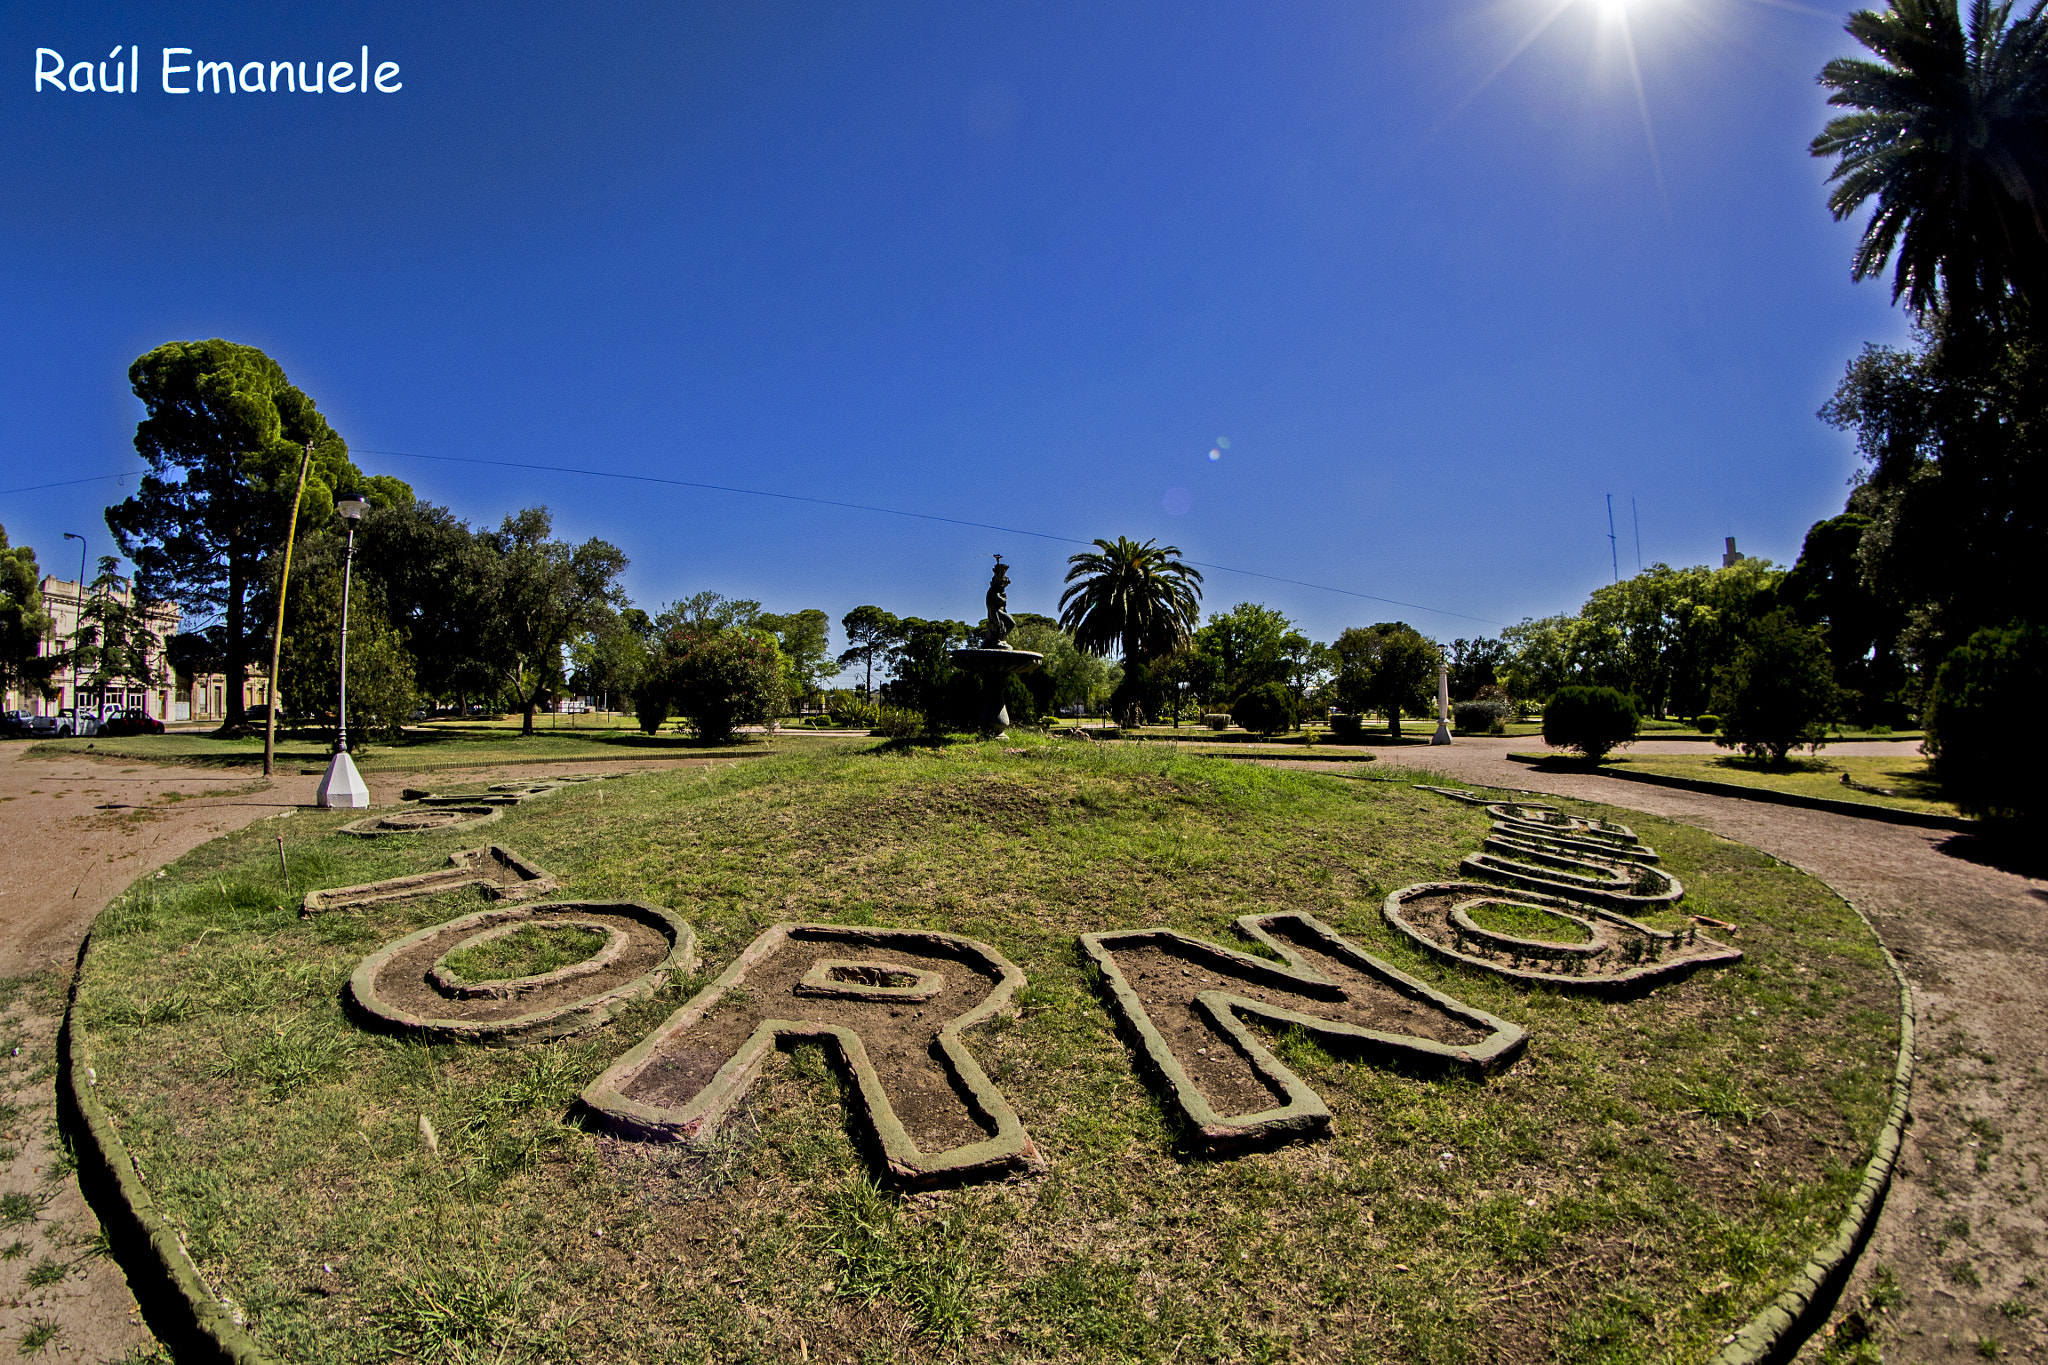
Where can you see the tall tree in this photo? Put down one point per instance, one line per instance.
(543, 593)
(871, 635)
(1141, 600)
(23, 623)
(1950, 136)
(1248, 646)
(115, 643)
(1389, 668)
(224, 436)
(805, 638)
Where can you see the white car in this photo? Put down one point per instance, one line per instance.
(66, 724)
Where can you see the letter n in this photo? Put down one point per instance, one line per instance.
(889, 1006)
(1187, 1002)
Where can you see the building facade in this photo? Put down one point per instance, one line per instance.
(151, 694)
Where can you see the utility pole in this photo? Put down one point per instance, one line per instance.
(277, 637)
(1638, 523)
(1613, 553)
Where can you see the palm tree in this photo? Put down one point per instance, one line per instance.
(1951, 137)
(1141, 599)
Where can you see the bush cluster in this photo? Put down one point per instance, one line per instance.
(1267, 709)
(1979, 722)
(1592, 720)
(1488, 717)
(1347, 727)
(1216, 720)
(1707, 724)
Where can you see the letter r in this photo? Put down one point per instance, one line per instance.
(56, 77)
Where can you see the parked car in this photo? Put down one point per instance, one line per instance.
(66, 724)
(130, 723)
(17, 722)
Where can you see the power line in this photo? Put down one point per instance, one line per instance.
(899, 512)
(64, 483)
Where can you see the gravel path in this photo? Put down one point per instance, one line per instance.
(1963, 1229)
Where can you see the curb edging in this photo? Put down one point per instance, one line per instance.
(1776, 1334)
(1861, 810)
(202, 1324)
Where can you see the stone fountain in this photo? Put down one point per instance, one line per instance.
(993, 660)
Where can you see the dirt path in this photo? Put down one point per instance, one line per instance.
(73, 833)
(1963, 1229)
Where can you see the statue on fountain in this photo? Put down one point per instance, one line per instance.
(1000, 622)
(993, 658)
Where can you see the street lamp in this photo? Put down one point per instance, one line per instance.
(77, 623)
(342, 786)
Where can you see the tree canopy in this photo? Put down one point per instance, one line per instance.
(224, 436)
(23, 623)
(1141, 600)
(1950, 137)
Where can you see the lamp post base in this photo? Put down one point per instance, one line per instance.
(343, 787)
(1442, 735)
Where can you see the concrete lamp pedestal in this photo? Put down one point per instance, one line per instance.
(343, 788)
(1443, 706)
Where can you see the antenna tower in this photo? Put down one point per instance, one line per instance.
(1613, 552)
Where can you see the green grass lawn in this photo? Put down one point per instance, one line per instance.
(1644, 1179)
(423, 748)
(1822, 776)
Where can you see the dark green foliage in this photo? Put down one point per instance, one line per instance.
(805, 638)
(719, 680)
(871, 635)
(1389, 668)
(381, 679)
(1708, 723)
(1981, 721)
(22, 622)
(1592, 720)
(925, 679)
(539, 595)
(1140, 695)
(1267, 709)
(1475, 664)
(1245, 646)
(1489, 717)
(1347, 727)
(1140, 600)
(651, 704)
(225, 436)
(1950, 135)
(1779, 691)
(1827, 588)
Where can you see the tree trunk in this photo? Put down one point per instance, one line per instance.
(1394, 721)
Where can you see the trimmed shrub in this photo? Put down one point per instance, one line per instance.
(1978, 717)
(1780, 690)
(1347, 727)
(650, 708)
(719, 680)
(1592, 720)
(1482, 717)
(1707, 724)
(1267, 709)
(1216, 720)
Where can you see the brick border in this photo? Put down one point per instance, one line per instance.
(903, 1162)
(559, 1021)
(1304, 1114)
(366, 828)
(1860, 810)
(183, 1310)
(1618, 985)
(533, 881)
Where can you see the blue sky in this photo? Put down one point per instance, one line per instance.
(1026, 265)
